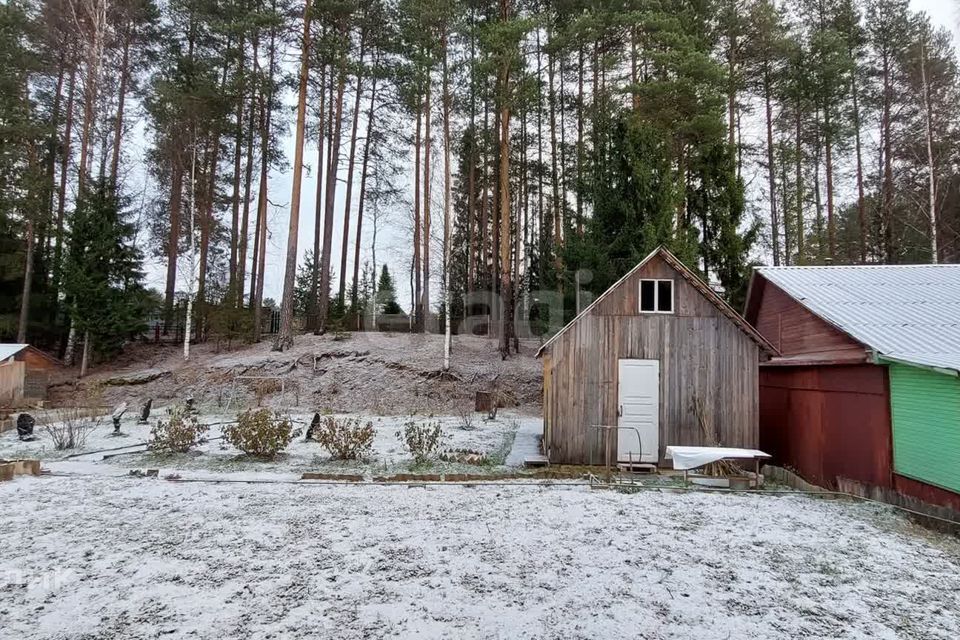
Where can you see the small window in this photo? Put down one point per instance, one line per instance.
(656, 296)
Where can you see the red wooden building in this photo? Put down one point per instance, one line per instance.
(825, 403)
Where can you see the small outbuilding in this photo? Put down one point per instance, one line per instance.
(866, 393)
(658, 359)
(24, 373)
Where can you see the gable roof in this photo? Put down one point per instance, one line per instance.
(904, 313)
(9, 350)
(698, 284)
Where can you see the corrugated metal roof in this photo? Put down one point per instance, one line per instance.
(10, 350)
(906, 313)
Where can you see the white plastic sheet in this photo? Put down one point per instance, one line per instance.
(696, 457)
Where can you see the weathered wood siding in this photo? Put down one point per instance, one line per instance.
(794, 330)
(702, 354)
(11, 382)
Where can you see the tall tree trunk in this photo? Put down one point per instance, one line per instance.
(247, 185)
(472, 252)
(121, 99)
(192, 250)
(43, 233)
(363, 185)
(285, 335)
(831, 224)
(771, 180)
(580, 143)
(237, 165)
(331, 194)
(785, 208)
(506, 282)
(732, 92)
(85, 360)
(206, 224)
(261, 249)
(447, 205)
(861, 197)
(554, 173)
(801, 240)
(540, 163)
(87, 127)
(350, 167)
(482, 266)
(887, 198)
(27, 283)
(634, 70)
(415, 312)
(173, 241)
(318, 208)
(62, 188)
(426, 323)
(817, 201)
(931, 173)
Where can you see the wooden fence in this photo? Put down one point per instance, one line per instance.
(11, 382)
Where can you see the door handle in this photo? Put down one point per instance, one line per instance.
(620, 411)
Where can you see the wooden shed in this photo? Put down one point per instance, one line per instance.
(24, 373)
(661, 357)
(866, 393)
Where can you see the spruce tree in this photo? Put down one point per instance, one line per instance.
(103, 280)
(387, 294)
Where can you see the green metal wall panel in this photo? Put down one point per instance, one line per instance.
(925, 408)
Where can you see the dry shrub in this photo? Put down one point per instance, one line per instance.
(422, 439)
(180, 433)
(266, 387)
(466, 419)
(260, 433)
(70, 427)
(345, 438)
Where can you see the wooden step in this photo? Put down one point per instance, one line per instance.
(637, 467)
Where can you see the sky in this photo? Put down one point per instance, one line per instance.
(393, 244)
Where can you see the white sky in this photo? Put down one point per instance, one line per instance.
(393, 244)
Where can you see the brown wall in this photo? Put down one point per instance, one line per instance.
(828, 421)
(36, 361)
(793, 329)
(702, 354)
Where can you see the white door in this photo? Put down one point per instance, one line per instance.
(639, 409)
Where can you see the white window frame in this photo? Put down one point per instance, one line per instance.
(656, 296)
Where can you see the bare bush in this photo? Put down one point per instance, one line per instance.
(70, 427)
(180, 433)
(266, 387)
(466, 419)
(422, 439)
(345, 438)
(260, 433)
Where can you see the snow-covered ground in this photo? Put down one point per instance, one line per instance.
(102, 557)
(493, 438)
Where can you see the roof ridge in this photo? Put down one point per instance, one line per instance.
(684, 271)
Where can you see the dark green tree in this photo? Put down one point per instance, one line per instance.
(103, 280)
(387, 294)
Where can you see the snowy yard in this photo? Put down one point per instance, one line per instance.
(492, 438)
(136, 558)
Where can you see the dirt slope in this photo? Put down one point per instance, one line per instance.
(383, 373)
